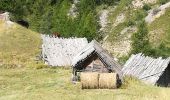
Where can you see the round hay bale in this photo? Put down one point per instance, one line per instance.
(89, 80)
(108, 80)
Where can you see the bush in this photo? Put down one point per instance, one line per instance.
(130, 23)
(49, 16)
(162, 50)
(140, 43)
(163, 1)
(123, 59)
(107, 2)
(146, 7)
(140, 15)
(140, 40)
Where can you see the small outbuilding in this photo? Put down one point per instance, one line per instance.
(148, 69)
(93, 58)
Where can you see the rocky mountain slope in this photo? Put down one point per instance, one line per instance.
(123, 22)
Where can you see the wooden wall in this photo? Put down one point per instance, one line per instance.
(60, 51)
(93, 64)
(146, 68)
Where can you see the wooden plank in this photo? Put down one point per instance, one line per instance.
(146, 68)
(60, 51)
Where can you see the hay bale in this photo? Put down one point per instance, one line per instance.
(107, 80)
(89, 80)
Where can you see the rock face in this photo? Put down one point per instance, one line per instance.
(156, 12)
(119, 49)
(103, 21)
(140, 3)
(123, 45)
(73, 10)
(119, 19)
(4, 16)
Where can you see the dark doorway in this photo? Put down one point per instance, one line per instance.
(164, 80)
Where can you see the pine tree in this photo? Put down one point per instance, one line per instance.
(140, 39)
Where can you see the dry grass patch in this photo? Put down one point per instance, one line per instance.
(49, 84)
(18, 45)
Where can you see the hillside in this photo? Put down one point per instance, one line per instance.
(124, 21)
(113, 23)
(159, 31)
(119, 25)
(18, 45)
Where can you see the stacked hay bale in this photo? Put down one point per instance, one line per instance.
(108, 81)
(94, 80)
(89, 80)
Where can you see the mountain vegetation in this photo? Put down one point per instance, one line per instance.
(51, 16)
(48, 16)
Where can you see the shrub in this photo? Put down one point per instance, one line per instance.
(162, 50)
(140, 43)
(130, 23)
(140, 15)
(123, 59)
(146, 7)
(140, 40)
(163, 1)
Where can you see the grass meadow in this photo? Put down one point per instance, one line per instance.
(23, 79)
(55, 84)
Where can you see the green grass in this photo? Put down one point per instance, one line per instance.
(120, 8)
(114, 32)
(18, 48)
(18, 45)
(163, 29)
(52, 84)
(115, 35)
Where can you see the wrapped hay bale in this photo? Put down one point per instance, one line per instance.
(89, 80)
(107, 80)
